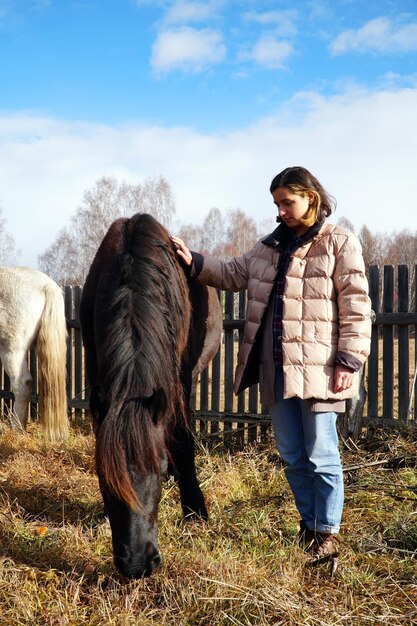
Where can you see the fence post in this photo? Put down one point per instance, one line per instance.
(373, 361)
(228, 367)
(403, 344)
(415, 340)
(68, 298)
(204, 383)
(388, 346)
(241, 428)
(78, 353)
(215, 385)
(215, 394)
(253, 408)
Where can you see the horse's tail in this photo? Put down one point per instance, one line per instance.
(51, 348)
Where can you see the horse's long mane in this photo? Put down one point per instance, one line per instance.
(142, 307)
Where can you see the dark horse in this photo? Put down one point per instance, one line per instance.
(145, 327)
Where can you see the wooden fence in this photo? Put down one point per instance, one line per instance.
(220, 416)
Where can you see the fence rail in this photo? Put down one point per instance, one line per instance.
(220, 416)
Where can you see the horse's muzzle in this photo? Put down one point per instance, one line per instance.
(136, 567)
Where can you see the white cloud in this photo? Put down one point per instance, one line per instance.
(187, 49)
(392, 80)
(16, 7)
(283, 22)
(269, 52)
(362, 153)
(151, 3)
(183, 12)
(320, 9)
(378, 35)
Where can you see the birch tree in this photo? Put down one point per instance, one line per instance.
(9, 254)
(68, 258)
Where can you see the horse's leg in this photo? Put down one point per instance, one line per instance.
(182, 467)
(15, 364)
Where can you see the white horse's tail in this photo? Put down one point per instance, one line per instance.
(51, 348)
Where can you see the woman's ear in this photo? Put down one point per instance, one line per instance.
(311, 197)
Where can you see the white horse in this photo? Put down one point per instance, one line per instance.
(32, 314)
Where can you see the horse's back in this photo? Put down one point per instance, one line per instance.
(18, 281)
(22, 300)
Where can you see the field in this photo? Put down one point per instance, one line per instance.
(241, 568)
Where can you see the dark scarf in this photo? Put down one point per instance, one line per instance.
(286, 241)
(282, 235)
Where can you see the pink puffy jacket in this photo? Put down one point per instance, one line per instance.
(326, 310)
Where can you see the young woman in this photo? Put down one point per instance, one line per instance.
(307, 334)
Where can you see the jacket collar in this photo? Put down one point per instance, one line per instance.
(282, 235)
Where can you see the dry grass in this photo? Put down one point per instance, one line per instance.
(241, 568)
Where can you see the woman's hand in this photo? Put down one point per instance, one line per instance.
(182, 250)
(343, 378)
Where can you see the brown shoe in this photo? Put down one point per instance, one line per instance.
(306, 537)
(325, 545)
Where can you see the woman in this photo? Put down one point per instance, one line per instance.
(307, 334)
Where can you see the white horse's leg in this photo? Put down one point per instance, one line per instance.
(15, 364)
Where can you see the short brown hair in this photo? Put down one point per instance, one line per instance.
(301, 181)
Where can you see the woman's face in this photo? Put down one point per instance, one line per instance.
(291, 207)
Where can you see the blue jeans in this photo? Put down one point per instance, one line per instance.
(308, 443)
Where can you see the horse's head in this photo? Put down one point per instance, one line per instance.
(130, 462)
(135, 528)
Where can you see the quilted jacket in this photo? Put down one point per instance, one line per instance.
(326, 313)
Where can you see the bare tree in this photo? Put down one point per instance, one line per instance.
(266, 225)
(374, 247)
(9, 254)
(213, 232)
(344, 222)
(64, 260)
(402, 250)
(69, 257)
(192, 236)
(242, 232)
(156, 197)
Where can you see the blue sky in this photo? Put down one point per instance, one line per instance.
(215, 96)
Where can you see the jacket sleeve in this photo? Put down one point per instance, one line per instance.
(354, 304)
(232, 275)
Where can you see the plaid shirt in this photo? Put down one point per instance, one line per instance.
(288, 244)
